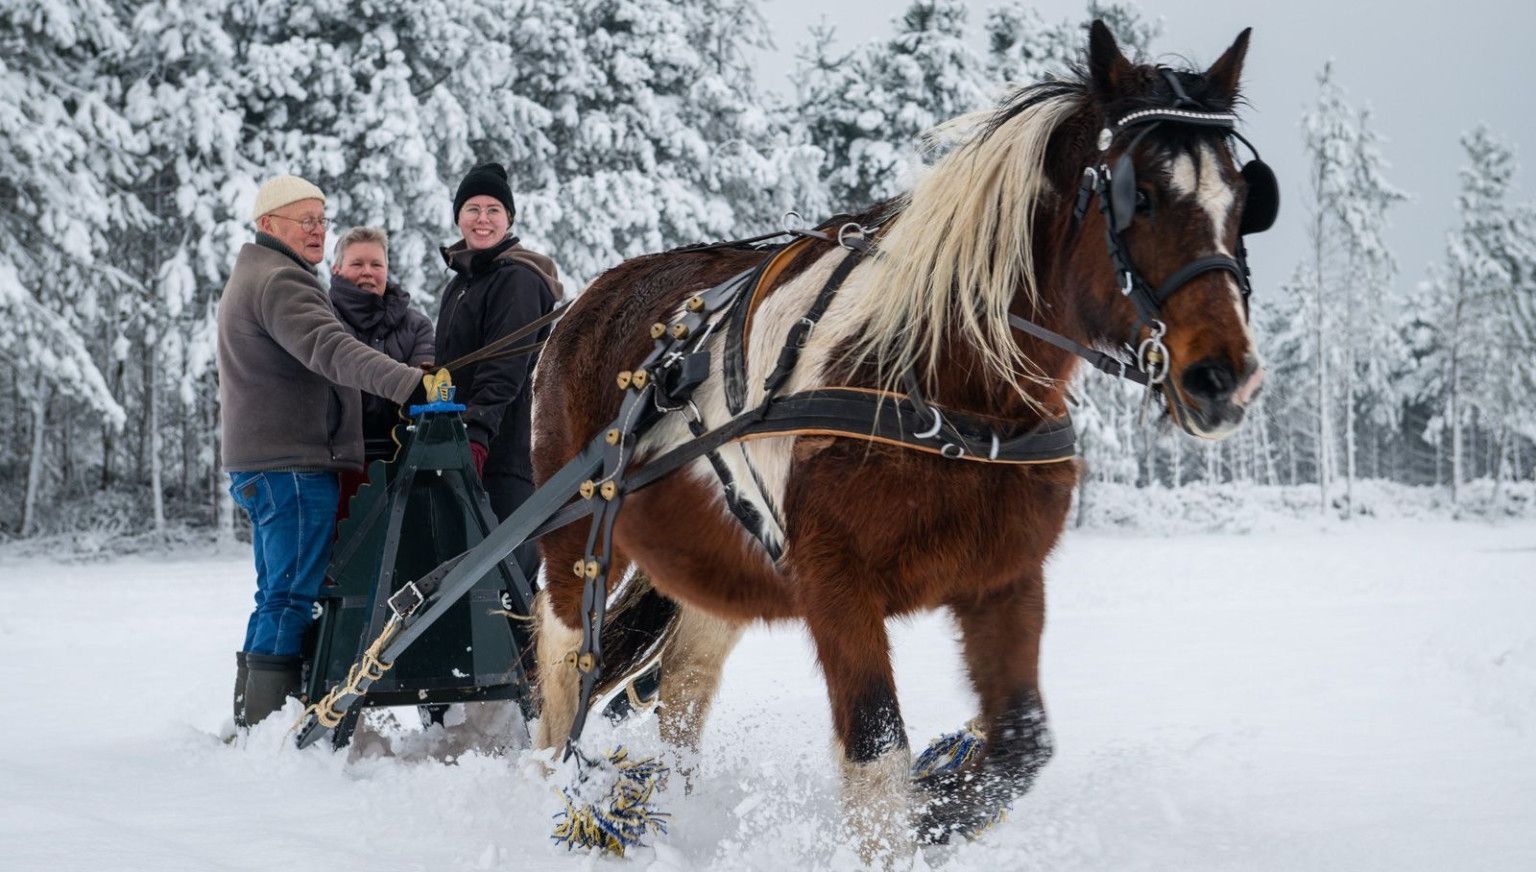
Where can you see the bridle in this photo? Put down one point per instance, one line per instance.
(1115, 189)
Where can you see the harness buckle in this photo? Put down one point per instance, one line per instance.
(405, 601)
(952, 451)
(805, 335)
(1127, 282)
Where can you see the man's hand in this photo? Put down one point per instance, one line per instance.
(438, 385)
(435, 387)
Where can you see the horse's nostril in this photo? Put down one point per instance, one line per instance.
(1210, 380)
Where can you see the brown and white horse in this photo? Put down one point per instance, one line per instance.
(868, 530)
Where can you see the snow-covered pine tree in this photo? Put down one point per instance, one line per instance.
(65, 154)
(655, 137)
(182, 93)
(1283, 326)
(1461, 362)
(1491, 256)
(1022, 48)
(1329, 136)
(1370, 345)
(867, 109)
(1517, 320)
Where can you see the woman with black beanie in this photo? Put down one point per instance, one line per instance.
(497, 286)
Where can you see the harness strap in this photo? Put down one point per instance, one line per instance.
(746, 514)
(1101, 361)
(739, 329)
(1186, 273)
(800, 332)
(854, 413)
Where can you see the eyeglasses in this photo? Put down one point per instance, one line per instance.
(473, 213)
(310, 224)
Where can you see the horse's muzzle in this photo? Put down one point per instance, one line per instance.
(1216, 395)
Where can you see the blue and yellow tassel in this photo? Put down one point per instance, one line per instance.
(949, 752)
(609, 803)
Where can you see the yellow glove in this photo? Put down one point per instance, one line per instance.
(438, 386)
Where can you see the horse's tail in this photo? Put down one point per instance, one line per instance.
(639, 624)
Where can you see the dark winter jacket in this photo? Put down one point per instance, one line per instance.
(282, 353)
(388, 323)
(491, 294)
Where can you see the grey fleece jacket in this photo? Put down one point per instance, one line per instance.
(281, 354)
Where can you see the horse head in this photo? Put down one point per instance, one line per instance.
(1012, 223)
(1173, 205)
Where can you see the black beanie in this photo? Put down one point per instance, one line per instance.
(489, 179)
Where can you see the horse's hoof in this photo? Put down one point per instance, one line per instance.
(938, 828)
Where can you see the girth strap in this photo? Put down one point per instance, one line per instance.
(853, 413)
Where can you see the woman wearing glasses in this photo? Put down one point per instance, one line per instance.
(497, 286)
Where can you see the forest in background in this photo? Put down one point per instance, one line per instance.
(133, 136)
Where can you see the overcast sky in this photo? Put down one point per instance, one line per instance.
(1428, 72)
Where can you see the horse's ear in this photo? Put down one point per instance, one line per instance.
(1106, 63)
(1224, 75)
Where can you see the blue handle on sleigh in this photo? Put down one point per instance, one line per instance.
(434, 408)
(437, 406)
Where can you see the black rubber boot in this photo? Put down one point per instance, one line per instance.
(269, 681)
(240, 673)
(639, 694)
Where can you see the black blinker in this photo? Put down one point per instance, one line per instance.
(1263, 203)
(1122, 191)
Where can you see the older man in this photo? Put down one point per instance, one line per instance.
(287, 426)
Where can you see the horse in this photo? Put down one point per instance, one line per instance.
(867, 530)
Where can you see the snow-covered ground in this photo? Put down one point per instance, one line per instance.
(1348, 697)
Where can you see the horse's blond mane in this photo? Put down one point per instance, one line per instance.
(961, 248)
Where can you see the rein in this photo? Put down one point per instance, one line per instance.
(507, 345)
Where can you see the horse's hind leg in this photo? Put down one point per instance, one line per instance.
(1002, 653)
(691, 663)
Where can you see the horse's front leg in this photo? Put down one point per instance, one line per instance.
(1002, 653)
(559, 684)
(854, 653)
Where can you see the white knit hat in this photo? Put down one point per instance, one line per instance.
(276, 193)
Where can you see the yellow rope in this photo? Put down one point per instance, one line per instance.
(369, 666)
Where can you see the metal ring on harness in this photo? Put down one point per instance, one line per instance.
(788, 227)
(952, 451)
(1152, 355)
(858, 233)
(938, 424)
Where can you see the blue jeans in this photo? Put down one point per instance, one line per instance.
(292, 516)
